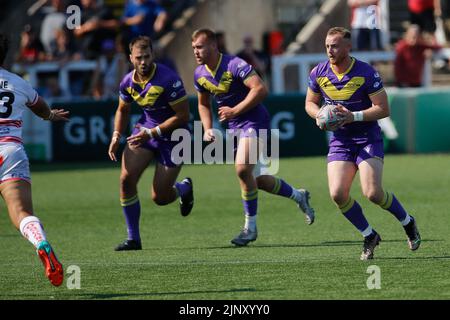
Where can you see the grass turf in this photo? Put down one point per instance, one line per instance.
(191, 258)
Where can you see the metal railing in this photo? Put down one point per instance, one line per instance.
(305, 62)
(63, 71)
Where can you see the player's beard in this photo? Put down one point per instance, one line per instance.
(144, 71)
(337, 60)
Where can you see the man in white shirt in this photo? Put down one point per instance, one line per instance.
(366, 20)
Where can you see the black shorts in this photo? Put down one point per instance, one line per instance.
(425, 20)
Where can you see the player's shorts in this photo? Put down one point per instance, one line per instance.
(249, 128)
(14, 163)
(356, 153)
(263, 165)
(264, 168)
(162, 149)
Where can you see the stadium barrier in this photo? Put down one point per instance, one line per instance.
(420, 117)
(283, 76)
(417, 115)
(63, 71)
(86, 137)
(305, 62)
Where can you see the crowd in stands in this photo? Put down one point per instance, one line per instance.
(106, 28)
(102, 36)
(419, 43)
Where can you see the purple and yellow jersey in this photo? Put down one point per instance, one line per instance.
(226, 84)
(353, 90)
(155, 96)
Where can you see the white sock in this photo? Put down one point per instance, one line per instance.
(367, 232)
(406, 220)
(250, 222)
(31, 228)
(296, 195)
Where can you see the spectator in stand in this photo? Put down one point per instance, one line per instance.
(53, 21)
(257, 59)
(174, 9)
(112, 66)
(63, 48)
(144, 18)
(31, 50)
(366, 24)
(423, 13)
(97, 24)
(411, 53)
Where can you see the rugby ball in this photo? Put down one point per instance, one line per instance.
(327, 118)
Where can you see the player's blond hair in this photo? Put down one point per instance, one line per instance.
(345, 33)
(210, 35)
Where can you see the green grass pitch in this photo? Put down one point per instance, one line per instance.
(192, 258)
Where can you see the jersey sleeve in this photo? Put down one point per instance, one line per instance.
(124, 91)
(312, 82)
(30, 94)
(175, 91)
(242, 70)
(374, 84)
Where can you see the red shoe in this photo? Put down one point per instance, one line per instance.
(53, 268)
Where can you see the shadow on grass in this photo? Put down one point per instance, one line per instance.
(73, 166)
(131, 295)
(415, 258)
(161, 294)
(320, 244)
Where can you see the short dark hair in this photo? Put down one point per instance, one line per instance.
(4, 47)
(210, 35)
(345, 33)
(142, 42)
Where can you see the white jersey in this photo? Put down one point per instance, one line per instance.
(16, 95)
(367, 17)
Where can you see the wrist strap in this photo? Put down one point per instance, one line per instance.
(357, 116)
(148, 131)
(158, 131)
(51, 116)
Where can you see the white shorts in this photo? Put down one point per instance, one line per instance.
(14, 163)
(264, 165)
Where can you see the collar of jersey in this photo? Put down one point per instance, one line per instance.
(341, 75)
(143, 83)
(213, 73)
